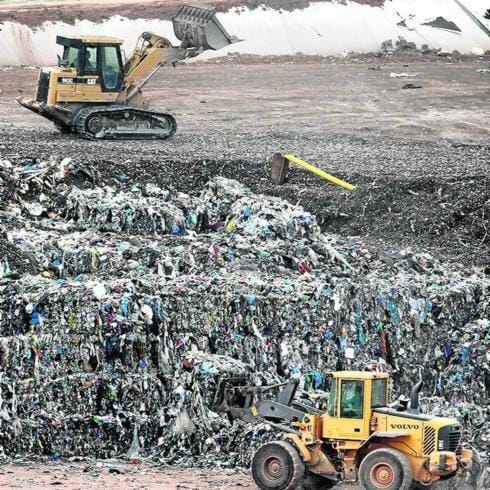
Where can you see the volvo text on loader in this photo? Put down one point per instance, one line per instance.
(359, 437)
(96, 93)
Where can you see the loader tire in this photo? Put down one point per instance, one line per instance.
(386, 469)
(277, 466)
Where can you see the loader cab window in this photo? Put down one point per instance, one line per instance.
(332, 400)
(352, 399)
(90, 60)
(379, 393)
(70, 55)
(111, 69)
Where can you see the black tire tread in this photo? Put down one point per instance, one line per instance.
(388, 453)
(298, 466)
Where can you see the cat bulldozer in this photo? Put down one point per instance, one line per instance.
(96, 93)
(357, 438)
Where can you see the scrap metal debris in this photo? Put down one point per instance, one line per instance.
(411, 86)
(280, 166)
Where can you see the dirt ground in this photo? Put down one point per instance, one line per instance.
(102, 475)
(81, 476)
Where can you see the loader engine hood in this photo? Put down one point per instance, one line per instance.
(437, 433)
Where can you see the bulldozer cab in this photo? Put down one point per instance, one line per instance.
(353, 397)
(95, 60)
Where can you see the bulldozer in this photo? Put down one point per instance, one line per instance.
(358, 437)
(97, 94)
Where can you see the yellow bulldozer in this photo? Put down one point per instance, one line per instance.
(96, 93)
(360, 437)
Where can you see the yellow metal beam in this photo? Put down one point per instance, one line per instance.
(320, 173)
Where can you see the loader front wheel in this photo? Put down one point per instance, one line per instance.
(386, 469)
(277, 466)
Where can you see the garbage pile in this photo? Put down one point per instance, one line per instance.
(403, 46)
(138, 300)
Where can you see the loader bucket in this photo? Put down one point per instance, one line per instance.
(198, 27)
(232, 393)
(235, 399)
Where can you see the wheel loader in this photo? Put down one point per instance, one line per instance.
(96, 93)
(360, 437)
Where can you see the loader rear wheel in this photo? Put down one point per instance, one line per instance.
(277, 466)
(386, 469)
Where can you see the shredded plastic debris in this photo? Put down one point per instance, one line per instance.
(140, 299)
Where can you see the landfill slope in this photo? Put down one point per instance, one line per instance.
(420, 158)
(267, 28)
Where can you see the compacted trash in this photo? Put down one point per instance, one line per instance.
(123, 305)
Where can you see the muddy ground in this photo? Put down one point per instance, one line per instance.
(420, 157)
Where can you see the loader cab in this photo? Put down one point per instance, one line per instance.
(353, 397)
(95, 61)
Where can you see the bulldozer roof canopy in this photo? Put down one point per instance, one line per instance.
(76, 42)
(360, 375)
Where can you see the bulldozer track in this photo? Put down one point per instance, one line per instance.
(122, 122)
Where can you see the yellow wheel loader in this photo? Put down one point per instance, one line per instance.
(95, 93)
(359, 438)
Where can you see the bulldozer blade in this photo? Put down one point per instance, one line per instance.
(198, 27)
(55, 113)
(32, 105)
